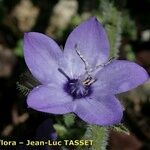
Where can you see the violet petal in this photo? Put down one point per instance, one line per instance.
(42, 56)
(51, 99)
(91, 40)
(101, 111)
(119, 76)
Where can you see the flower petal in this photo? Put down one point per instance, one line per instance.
(49, 99)
(91, 40)
(101, 111)
(42, 56)
(119, 76)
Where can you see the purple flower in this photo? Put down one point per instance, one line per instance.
(79, 79)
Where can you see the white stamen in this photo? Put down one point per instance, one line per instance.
(87, 66)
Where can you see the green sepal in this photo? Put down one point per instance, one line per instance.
(121, 128)
(60, 130)
(69, 119)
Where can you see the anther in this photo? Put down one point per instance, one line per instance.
(89, 81)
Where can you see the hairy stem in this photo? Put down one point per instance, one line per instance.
(99, 135)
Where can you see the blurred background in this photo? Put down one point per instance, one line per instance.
(128, 26)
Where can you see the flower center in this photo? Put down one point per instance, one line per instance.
(77, 89)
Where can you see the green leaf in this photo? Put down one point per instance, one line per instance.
(60, 130)
(99, 135)
(26, 83)
(69, 119)
(18, 49)
(23, 89)
(121, 128)
(111, 18)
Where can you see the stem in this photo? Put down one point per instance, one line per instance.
(99, 135)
